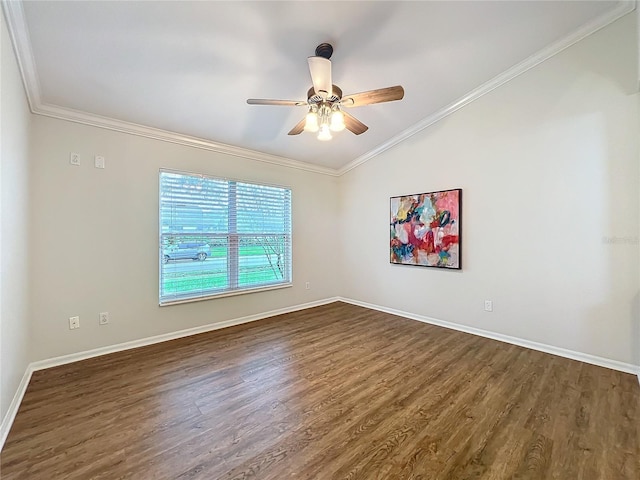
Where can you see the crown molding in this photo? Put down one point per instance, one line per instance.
(17, 27)
(14, 14)
(624, 7)
(172, 137)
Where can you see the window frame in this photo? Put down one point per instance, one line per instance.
(224, 293)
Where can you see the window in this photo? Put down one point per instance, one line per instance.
(220, 236)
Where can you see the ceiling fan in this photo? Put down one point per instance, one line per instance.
(325, 100)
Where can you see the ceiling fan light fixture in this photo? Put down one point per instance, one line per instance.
(337, 121)
(311, 123)
(325, 133)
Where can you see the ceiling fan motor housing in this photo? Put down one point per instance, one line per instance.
(313, 98)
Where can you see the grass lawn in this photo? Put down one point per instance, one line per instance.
(195, 281)
(253, 250)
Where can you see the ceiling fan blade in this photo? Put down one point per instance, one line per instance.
(353, 124)
(284, 103)
(320, 69)
(380, 95)
(297, 130)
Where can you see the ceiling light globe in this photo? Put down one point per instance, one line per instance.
(337, 121)
(325, 133)
(311, 122)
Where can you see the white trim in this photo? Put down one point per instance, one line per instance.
(623, 8)
(18, 30)
(96, 352)
(17, 27)
(171, 137)
(12, 411)
(541, 347)
(228, 293)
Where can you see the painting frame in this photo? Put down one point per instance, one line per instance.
(426, 229)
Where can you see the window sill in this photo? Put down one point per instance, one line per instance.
(167, 303)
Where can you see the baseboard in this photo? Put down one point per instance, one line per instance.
(96, 352)
(10, 416)
(541, 347)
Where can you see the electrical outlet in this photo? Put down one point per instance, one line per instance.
(99, 161)
(104, 318)
(307, 285)
(488, 306)
(74, 159)
(74, 322)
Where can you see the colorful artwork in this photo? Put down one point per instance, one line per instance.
(425, 229)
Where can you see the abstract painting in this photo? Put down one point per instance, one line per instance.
(425, 229)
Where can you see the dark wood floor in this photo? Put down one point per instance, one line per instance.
(334, 392)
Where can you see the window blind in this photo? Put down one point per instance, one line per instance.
(220, 236)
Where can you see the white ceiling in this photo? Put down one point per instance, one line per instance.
(188, 67)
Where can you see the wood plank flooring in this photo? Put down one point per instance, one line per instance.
(333, 392)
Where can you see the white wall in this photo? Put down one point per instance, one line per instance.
(14, 224)
(548, 164)
(95, 242)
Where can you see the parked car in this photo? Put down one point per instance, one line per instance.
(181, 251)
